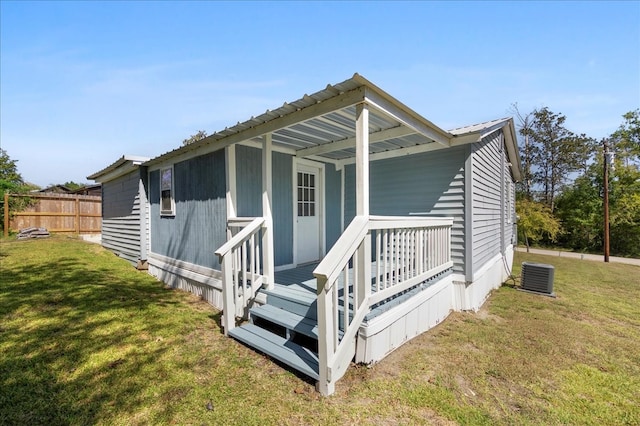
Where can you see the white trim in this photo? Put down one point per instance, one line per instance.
(118, 172)
(488, 265)
(380, 136)
(362, 160)
(172, 212)
(503, 219)
(468, 213)
(274, 148)
(342, 200)
(400, 152)
(268, 236)
(321, 207)
(231, 194)
(215, 142)
(201, 274)
(408, 118)
(284, 267)
(385, 319)
(143, 202)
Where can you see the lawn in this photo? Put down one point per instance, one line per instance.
(87, 339)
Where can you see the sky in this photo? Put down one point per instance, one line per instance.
(83, 83)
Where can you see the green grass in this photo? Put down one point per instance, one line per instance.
(86, 339)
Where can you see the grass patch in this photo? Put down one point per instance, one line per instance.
(86, 339)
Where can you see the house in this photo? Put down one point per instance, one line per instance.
(341, 224)
(124, 228)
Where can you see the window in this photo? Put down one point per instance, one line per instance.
(306, 194)
(166, 192)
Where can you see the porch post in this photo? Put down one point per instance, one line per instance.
(362, 160)
(363, 255)
(267, 190)
(230, 163)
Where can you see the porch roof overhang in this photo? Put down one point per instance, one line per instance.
(322, 126)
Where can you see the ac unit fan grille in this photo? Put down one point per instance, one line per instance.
(537, 277)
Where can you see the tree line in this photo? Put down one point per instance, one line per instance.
(560, 199)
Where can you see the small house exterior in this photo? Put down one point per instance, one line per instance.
(344, 219)
(124, 212)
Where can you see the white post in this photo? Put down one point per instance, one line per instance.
(228, 297)
(267, 233)
(362, 160)
(230, 164)
(326, 330)
(363, 255)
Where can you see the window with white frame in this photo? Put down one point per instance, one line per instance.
(167, 204)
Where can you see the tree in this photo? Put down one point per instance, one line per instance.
(11, 182)
(195, 138)
(73, 185)
(536, 222)
(523, 123)
(626, 140)
(555, 152)
(579, 208)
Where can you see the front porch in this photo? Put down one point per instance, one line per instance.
(318, 323)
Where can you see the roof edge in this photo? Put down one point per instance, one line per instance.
(133, 160)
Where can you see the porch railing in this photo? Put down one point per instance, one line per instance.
(406, 252)
(242, 269)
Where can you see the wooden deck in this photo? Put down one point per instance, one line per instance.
(302, 276)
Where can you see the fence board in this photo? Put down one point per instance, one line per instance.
(66, 213)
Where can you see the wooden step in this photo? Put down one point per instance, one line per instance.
(285, 351)
(294, 299)
(289, 320)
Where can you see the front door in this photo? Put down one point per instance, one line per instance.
(308, 192)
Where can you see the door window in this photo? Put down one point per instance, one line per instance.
(306, 194)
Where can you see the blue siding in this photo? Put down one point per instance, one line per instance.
(249, 181)
(333, 205)
(283, 208)
(121, 216)
(431, 183)
(488, 168)
(249, 202)
(199, 225)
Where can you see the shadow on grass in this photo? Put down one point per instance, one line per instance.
(80, 341)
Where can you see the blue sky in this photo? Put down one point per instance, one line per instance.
(82, 83)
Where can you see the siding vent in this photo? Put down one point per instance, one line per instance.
(538, 278)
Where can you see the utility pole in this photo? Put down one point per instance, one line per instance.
(606, 199)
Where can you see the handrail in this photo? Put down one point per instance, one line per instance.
(239, 222)
(242, 271)
(240, 237)
(349, 241)
(408, 250)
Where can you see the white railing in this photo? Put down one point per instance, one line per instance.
(241, 259)
(406, 252)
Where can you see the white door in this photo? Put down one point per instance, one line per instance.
(308, 191)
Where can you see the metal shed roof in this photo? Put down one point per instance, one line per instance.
(321, 126)
(125, 163)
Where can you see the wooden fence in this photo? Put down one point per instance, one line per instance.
(70, 213)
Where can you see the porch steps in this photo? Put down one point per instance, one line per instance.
(294, 299)
(285, 328)
(288, 320)
(284, 350)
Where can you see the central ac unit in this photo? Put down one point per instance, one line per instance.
(537, 277)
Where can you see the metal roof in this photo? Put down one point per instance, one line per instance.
(327, 119)
(120, 162)
(484, 128)
(321, 126)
